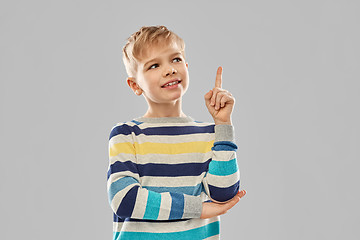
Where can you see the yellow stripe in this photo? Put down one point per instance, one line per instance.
(126, 147)
(161, 148)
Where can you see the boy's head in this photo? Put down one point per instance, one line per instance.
(153, 56)
(140, 42)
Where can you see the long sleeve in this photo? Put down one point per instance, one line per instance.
(128, 199)
(222, 180)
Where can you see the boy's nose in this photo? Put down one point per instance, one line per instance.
(170, 71)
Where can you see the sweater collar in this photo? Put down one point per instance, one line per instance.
(165, 119)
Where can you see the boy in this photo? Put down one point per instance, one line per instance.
(170, 177)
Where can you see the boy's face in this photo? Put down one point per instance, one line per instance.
(162, 64)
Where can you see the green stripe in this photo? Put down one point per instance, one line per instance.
(223, 168)
(206, 231)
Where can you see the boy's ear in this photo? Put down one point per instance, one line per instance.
(187, 65)
(134, 86)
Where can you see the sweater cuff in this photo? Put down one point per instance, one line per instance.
(224, 132)
(192, 207)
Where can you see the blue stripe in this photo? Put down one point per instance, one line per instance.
(119, 185)
(137, 122)
(122, 166)
(223, 168)
(152, 206)
(223, 194)
(170, 130)
(127, 204)
(224, 146)
(190, 190)
(206, 231)
(177, 205)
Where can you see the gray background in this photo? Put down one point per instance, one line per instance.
(293, 67)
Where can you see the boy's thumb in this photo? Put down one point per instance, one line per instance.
(208, 95)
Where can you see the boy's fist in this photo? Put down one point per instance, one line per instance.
(211, 209)
(219, 101)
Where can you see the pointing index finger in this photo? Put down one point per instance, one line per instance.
(218, 80)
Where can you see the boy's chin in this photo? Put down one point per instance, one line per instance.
(177, 96)
(172, 99)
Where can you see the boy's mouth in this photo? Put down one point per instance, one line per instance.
(171, 83)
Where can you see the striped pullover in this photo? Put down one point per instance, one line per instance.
(160, 172)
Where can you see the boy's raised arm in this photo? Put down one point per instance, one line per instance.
(223, 178)
(128, 199)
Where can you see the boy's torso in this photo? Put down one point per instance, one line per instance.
(176, 162)
(171, 157)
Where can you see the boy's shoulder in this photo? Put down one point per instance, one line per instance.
(124, 128)
(129, 123)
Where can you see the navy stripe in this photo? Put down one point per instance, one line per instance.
(122, 129)
(173, 170)
(160, 169)
(224, 194)
(224, 146)
(127, 204)
(122, 166)
(169, 130)
(116, 218)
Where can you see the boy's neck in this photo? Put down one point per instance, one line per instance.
(157, 110)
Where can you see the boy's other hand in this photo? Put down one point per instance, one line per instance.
(219, 101)
(211, 209)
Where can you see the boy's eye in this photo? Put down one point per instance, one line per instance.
(177, 58)
(152, 66)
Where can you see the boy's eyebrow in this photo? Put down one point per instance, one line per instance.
(154, 59)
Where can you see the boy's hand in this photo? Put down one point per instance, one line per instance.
(219, 101)
(211, 209)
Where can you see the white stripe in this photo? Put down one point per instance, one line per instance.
(182, 124)
(129, 123)
(140, 204)
(117, 226)
(223, 155)
(161, 227)
(216, 237)
(122, 157)
(165, 206)
(223, 181)
(183, 181)
(174, 158)
(162, 158)
(141, 138)
(120, 138)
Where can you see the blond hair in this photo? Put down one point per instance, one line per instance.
(140, 41)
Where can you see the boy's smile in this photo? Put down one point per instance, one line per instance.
(162, 74)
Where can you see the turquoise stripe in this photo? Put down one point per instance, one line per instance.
(206, 231)
(223, 168)
(119, 185)
(190, 190)
(152, 206)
